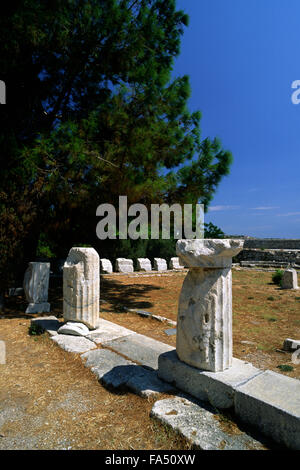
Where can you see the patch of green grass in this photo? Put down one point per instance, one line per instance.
(270, 298)
(269, 317)
(36, 330)
(263, 347)
(250, 298)
(285, 368)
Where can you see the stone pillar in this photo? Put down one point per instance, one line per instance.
(289, 279)
(204, 324)
(81, 287)
(36, 284)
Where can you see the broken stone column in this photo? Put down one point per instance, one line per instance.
(124, 265)
(160, 264)
(174, 263)
(81, 287)
(144, 264)
(204, 324)
(36, 284)
(289, 279)
(106, 266)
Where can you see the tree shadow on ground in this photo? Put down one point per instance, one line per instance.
(123, 295)
(115, 293)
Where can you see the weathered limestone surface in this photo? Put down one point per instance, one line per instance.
(105, 266)
(144, 264)
(36, 283)
(204, 325)
(74, 329)
(216, 388)
(73, 344)
(271, 402)
(291, 344)
(174, 263)
(81, 286)
(115, 371)
(139, 348)
(200, 425)
(289, 279)
(160, 264)
(124, 265)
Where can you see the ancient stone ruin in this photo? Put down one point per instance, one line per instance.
(160, 264)
(105, 266)
(36, 283)
(81, 287)
(175, 264)
(144, 264)
(289, 279)
(204, 325)
(124, 265)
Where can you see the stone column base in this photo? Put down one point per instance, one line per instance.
(38, 308)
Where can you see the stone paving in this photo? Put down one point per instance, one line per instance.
(133, 367)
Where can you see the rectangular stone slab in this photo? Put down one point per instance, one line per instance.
(200, 425)
(216, 387)
(271, 402)
(107, 331)
(110, 369)
(74, 344)
(146, 383)
(50, 324)
(114, 371)
(139, 348)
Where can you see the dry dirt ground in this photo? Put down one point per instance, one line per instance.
(48, 400)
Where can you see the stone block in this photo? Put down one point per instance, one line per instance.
(271, 402)
(108, 331)
(111, 369)
(105, 266)
(43, 307)
(36, 284)
(291, 344)
(73, 344)
(289, 279)
(160, 264)
(73, 328)
(175, 264)
(124, 265)
(201, 426)
(81, 286)
(218, 388)
(139, 348)
(144, 264)
(114, 371)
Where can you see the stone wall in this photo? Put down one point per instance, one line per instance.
(283, 256)
(272, 243)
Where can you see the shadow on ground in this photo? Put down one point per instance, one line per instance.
(120, 295)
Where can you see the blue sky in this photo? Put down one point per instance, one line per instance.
(242, 57)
